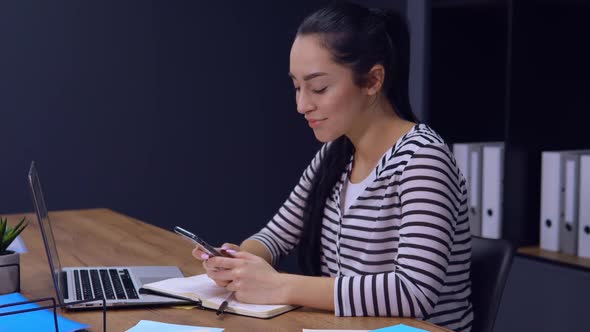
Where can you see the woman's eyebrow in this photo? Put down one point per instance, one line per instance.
(309, 76)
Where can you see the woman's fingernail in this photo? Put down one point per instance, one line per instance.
(204, 256)
(231, 251)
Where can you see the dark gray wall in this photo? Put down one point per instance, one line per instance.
(418, 12)
(175, 112)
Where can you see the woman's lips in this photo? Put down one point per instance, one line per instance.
(314, 123)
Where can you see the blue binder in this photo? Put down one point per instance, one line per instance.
(39, 320)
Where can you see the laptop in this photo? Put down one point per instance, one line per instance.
(118, 284)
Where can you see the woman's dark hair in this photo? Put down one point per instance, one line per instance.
(359, 38)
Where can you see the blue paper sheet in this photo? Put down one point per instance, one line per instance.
(151, 326)
(40, 320)
(399, 328)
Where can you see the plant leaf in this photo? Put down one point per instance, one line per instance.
(2, 227)
(2, 230)
(19, 227)
(10, 234)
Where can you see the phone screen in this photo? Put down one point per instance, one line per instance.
(200, 242)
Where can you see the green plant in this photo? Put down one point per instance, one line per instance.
(7, 234)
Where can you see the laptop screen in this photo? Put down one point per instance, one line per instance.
(45, 226)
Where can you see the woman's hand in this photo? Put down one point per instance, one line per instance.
(228, 248)
(250, 276)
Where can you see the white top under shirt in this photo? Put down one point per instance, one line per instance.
(352, 191)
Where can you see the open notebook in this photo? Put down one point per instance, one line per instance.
(201, 288)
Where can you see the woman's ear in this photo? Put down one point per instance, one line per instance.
(375, 79)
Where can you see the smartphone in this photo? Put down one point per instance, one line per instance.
(206, 247)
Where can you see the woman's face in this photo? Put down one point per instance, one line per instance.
(325, 91)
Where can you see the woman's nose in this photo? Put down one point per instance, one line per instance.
(304, 103)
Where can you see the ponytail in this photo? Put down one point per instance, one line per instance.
(327, 175)
(398, 66)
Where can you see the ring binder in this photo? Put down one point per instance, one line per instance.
(54, 307)
(17, 273)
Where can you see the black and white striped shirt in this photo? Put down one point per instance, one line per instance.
(404, 246)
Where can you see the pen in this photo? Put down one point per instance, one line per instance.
(224, 304)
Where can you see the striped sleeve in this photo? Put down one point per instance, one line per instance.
(282, 232)
(430, 197)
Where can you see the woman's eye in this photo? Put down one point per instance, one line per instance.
(319, 91)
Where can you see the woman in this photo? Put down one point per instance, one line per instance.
(379, 217)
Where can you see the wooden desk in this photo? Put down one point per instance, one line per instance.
(104, 237)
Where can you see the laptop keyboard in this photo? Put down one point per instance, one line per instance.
(95, 284)
(113, 283)
(108, 289)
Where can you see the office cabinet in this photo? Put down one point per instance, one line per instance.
(515, 71)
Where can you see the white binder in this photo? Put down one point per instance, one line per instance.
(469, 158)
(461, 152)
(584, 208)
(492, 187)
(551, 199)
(568, 223)
(475, 179)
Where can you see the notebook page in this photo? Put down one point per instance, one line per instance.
(216, 295)
(203, 288)
(196, 287)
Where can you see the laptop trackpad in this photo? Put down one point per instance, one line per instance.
(148, 280)
(148, 274)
